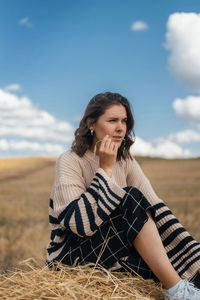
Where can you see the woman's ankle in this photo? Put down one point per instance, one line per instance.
(172, 290)
(171, 283)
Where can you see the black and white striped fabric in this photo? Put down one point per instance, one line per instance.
(112, 243)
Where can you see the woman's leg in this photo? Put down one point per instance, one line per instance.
(181, 248)
(149, 245)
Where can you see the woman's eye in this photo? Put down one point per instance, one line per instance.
(124, 121)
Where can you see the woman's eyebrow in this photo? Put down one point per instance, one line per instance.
(117, 118)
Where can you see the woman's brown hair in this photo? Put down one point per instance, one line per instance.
(95, 108)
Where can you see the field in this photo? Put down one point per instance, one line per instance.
(25, 186)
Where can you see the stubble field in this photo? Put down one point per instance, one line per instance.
(25, 186)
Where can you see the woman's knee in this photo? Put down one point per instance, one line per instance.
(132, 190)
(132, 195)
(134, 198)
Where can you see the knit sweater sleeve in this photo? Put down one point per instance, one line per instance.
(135, 177)
(77, 208)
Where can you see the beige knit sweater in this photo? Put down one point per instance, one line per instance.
(74, 175)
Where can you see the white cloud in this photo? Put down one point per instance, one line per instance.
(13, 87)
(139, 25)
(10, 148)
(162, 148)
(23, 127)
(26, 130)
(188, 109)
(183, 41)
(25, 22)
(185, 137)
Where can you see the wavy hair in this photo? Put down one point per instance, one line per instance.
(95, 108)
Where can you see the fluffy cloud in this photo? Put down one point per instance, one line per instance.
(27, 131)
(188, 109)
(183, 41)
(161, 148)
(171, 146)
(187, 136)
(23, 127)
(139, 25)
(25, 22)
(13, 87)
(13, 148)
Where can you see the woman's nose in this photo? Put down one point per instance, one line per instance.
(120, 126)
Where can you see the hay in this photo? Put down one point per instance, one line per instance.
(76, 282)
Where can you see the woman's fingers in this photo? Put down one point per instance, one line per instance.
(115, 147)
(108, 145)
(104, 143)
(107, 154)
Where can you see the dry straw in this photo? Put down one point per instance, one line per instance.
(75, 282)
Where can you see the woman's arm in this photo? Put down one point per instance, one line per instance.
(79, 209)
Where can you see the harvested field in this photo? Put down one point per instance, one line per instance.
(25, 186)
(24, 201)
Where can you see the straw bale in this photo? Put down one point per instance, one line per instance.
(87, 282)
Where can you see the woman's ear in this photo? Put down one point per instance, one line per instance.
(90, 122)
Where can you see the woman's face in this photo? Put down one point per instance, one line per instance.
(113, 122)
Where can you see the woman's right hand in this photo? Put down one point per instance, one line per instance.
(107, 154)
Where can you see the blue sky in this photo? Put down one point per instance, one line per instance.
(58, 54)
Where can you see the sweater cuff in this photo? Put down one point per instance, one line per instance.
(115, 188)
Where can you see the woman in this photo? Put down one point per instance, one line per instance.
(103, 209)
